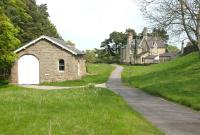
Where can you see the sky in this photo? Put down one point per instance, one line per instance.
(88, 22)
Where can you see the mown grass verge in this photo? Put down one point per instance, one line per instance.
(85, 111)
(177, 80)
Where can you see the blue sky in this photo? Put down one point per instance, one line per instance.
(88, 22)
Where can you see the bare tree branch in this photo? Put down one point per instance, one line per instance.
(178, 16)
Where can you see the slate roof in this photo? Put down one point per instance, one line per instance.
(168, 55)
(160, 43)
(62, 42)
(151, 56)
(143, 53)
(56, 41)
(138, 42)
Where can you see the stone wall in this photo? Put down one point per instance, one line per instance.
(149, 61)
(82, 66)
(161, 50)
(49, 55)
(141, 59)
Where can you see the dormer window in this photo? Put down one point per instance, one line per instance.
(61, 65)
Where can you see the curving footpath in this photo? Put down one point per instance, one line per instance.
(41, 87)
(171, 118)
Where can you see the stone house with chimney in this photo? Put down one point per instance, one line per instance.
(47, 59)
(143, 51)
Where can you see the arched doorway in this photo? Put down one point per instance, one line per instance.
(28, 70)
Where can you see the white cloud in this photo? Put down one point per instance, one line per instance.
(89, 22)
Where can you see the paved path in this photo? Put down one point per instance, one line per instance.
(40, 87)
(171, 118)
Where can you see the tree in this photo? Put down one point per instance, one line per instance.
(158, 32)
(103, 56)
(21, 20)
(90, 56)
(179, 16)
(162, 33)
(115, 41)
(39, 24)
(31, 19)
(172, 49)
(129, 30)
(69, 42)
(8, 41)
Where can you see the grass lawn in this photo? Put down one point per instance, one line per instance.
(3, 82)
(177, 80)
(98, 73)
(86, 111)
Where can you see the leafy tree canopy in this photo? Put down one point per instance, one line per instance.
(162, 33)
(90, 56)
(31, 19)
(158, 32)
(8, 41)
(111, 46)
(172, 49)
(21, 21)
(69, 42)
(116, 40)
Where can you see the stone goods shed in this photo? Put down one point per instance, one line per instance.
(47, 59)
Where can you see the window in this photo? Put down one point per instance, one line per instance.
(61, 65)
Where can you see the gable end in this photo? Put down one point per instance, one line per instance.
(48, 39)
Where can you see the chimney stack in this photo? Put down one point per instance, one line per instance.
(182, 47)
(155, 37)
(130, 38)
(145, 33)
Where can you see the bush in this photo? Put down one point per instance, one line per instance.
(90, 56)
(191, 48)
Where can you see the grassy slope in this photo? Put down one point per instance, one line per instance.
(98, 73)
(86, 111)
(177, 80)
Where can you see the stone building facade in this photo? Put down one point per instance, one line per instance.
(141, 51)
(57, 61)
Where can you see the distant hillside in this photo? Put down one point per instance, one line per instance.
(177, 80)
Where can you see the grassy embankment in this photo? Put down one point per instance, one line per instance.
(85, 111)
(177, 80)
(98, 73)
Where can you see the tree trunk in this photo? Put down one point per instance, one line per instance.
(198, 31)
(183, 7)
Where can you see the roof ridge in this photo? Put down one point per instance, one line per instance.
(54, 40)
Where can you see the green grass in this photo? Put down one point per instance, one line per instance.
(98, 73)
(3, 82)
(177, 80)
(88, 111)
